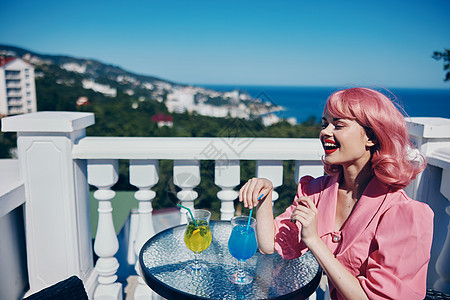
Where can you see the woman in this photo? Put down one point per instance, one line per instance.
(370, 238)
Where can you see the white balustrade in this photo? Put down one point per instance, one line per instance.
(57, 162)
(12, 196)
(103, 174)
(443, 260)
(311, 168)
(143, 175)
(186, 175)
(186, 170)
(432, 137)
(443, 263)
(272, 170)
(227, 177)
(55, 142)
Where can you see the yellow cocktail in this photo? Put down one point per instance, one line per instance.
(198, 238)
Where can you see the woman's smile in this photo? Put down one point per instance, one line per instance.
(329, 146)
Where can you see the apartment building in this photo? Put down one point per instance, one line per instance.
(17, 87)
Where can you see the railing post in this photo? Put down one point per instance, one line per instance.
(227, 176)
(143, 175)
(57, 222)
(186, 175)
(103, 174)
(432, 137)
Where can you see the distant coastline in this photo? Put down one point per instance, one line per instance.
(302, 102)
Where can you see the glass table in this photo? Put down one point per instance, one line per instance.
(164, 261)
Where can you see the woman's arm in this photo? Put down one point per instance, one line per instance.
(346, 284)
(265, 229)
(249, 195)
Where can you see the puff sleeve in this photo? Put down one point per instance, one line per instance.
(397, 268)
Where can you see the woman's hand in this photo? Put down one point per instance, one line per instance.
(306, 214)
(265, 230)
(252, 189)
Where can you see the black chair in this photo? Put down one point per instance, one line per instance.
(70, 288)
(436, 295)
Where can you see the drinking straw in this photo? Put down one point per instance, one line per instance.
(251, 210)
(190, 212)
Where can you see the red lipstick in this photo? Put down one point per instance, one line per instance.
(329, 146)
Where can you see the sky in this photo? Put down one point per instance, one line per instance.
(386, 43)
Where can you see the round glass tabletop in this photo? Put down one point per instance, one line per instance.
(164, 260)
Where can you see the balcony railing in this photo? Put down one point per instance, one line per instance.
(58, 162)
(17, 102)
(13, 84)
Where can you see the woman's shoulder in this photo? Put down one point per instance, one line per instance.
(401, 204)
(309, 185)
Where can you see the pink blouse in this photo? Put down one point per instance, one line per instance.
(385, 243)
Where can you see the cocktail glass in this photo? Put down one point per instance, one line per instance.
(242, 245)
(197, 236)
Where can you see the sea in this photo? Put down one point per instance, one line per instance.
(302, 103)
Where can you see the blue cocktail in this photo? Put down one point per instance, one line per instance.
(242, 245)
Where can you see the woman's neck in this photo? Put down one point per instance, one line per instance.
(355, 180)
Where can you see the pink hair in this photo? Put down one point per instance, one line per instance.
(384, 124)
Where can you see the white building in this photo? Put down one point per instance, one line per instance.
(17, 87)
(100, 88)
(180, 100)
(270, 119)
(74, 67)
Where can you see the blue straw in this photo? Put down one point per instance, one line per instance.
(251, 210)
(190, 212)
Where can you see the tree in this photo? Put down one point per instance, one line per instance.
(445, 56)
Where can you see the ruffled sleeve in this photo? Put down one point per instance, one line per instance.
(287, 234)
(397, 269)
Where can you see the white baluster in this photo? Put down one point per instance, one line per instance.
(103, 174)
(302, 168)
(227, 176)
(272, 170)
(143, 175)
(186, 175)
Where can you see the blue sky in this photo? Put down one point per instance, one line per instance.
(300, 43)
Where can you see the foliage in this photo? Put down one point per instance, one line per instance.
(7, 143)
(57, 97)
(445, 56)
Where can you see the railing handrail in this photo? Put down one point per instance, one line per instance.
(440, 158)
(173, 148)
(11, 186)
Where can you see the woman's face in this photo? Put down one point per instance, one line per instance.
(345, 141)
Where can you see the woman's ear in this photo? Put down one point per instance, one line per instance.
(371, 137)
(371, 142)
